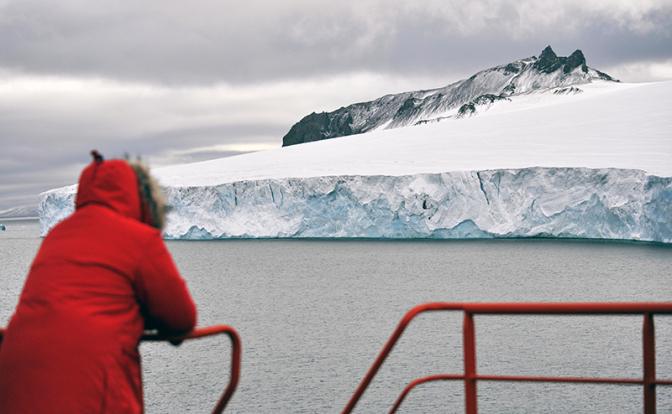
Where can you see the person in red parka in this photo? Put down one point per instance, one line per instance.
(100, 278)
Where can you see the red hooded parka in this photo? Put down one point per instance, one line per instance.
(100, 277)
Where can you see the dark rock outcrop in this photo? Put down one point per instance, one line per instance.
(548, 71)
(549, 62)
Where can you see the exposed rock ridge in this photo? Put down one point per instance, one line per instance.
(548, 71)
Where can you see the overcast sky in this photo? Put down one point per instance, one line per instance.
(180, 81)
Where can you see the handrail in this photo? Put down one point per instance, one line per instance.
(648, 381)
(236, 352)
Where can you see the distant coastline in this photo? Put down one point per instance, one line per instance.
(8, 219)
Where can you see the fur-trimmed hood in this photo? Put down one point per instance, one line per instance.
(126, 187)
(153, 202)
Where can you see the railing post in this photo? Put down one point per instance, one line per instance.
(469, 344)
(236, 352)
(649, 352)
(234, 375)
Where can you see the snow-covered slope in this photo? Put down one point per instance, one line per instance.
(548, 71)
(28, 211)
(596, 163)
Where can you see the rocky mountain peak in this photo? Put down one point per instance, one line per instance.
(548, 54)
(575, 60)
(549, 62)
(456, 100)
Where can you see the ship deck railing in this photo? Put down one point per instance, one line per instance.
(470, 377)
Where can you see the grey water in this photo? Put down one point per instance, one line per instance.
(314, 314)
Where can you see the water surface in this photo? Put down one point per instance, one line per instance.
(314, 314)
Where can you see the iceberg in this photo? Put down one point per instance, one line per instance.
(529, 202)
(595, 164)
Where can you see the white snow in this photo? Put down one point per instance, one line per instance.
(609, 125)
(594, 164)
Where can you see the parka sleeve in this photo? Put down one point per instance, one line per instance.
(163, 294)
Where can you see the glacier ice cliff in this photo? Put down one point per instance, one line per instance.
(529, 202)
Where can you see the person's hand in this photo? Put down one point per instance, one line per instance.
(176, 341)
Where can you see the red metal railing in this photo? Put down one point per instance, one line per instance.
(236, 352)
(470, 377)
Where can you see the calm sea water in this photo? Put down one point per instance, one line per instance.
(314, 314)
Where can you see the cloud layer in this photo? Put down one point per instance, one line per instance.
(178, 81)
(210, 41)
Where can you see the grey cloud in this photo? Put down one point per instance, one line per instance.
(156, 78)
(48, 126)
(20, 188)
(211, 41)
(40, 156)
